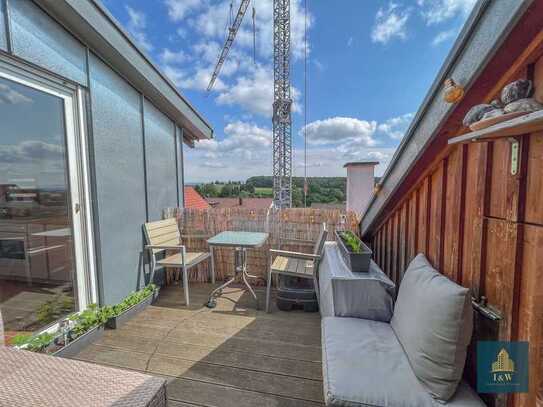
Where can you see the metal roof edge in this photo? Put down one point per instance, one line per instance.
(478, 37)
(94, 25)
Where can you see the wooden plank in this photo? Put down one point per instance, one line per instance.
(499, 271)
(163, 231)
(453, 203)
(389, 246)
(434, 229)
(504, 187)
(476, 168)
(423, 216)
(160, 224)
(243, 360)
(273, 384)
(530, 123)
(412, 229)
(534, 181)
(402, 240)
(394, 248)
(531, 310)
(208, 394)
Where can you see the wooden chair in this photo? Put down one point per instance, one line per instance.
(302, 265)
(163, 236)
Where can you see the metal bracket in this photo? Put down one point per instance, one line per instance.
(482, 307)
(515, 147)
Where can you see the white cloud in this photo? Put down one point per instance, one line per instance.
(137, 23)
(197, 80)
(338, 130)
(30, 151)
(213, 19)
(253, 92)
(350, 41)
(437, 11)
(395, 127)
(179, 9)
(444, 36)
(390, 22)
(168, 56)
(12, 97)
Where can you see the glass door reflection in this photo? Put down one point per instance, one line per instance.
(37, 265)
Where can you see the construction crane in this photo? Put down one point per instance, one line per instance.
(282, 102)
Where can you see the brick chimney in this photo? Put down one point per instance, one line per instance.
(360, 184)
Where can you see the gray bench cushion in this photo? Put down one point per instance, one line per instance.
(365, 365)
(433, 320)
(357, 295)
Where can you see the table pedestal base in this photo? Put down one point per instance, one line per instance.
(240, 270)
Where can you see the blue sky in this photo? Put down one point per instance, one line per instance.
(370, 64)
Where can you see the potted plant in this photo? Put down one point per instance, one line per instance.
(80, 330)
(118, 314)
(355, 253)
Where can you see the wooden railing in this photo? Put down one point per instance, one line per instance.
(289, 229)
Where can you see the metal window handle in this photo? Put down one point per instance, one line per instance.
(77, 208)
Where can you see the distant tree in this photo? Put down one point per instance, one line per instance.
(227, 191)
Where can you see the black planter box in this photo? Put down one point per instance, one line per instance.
(357, 262)
(76, 346)
(121, 319)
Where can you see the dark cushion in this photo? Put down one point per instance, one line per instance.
(433, 320)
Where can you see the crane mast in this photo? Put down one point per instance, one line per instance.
(282, 104)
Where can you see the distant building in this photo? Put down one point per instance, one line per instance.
(247, 203)
(360, 185)
(193, 200)
(338, 205)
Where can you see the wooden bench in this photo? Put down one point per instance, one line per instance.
(162, 237)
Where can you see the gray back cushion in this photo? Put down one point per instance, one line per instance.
(433, 321)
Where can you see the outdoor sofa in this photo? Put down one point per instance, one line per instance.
(414, 360)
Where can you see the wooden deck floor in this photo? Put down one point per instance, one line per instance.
(231, 356)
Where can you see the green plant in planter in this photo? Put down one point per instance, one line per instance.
(53, 309)
(36, 343)
(131, 300)
(86, 320)
(352, 241)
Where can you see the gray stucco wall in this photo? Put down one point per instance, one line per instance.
(160, 159)
(36, 37)
(120, 183)
(118, 145)
(3, 32)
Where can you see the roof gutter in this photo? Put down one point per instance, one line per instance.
(423, 129)
(94, 26)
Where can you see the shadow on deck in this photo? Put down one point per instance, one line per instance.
(229, 356)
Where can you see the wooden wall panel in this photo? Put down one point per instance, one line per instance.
(389, 245)
(412, 228)
(395, 252)
(499, 272)
(504, 187)
(454, 200)
(402, 240)
(534, 187)
(531, 307)
(435, 222)
(476, 168)
(422, 235)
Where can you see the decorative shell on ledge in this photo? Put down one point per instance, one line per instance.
(476, 113)
(453, 92)
(520, 89)
(523, 105)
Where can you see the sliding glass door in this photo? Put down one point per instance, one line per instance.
(42, 261)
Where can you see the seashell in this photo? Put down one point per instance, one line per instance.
(493, 113)
(520, 89)
(523, 105)
(497, 103)
(476, 113)
(453, 92)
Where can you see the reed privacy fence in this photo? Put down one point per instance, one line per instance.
(293, 229)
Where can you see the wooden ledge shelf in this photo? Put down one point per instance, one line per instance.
(529, 123)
